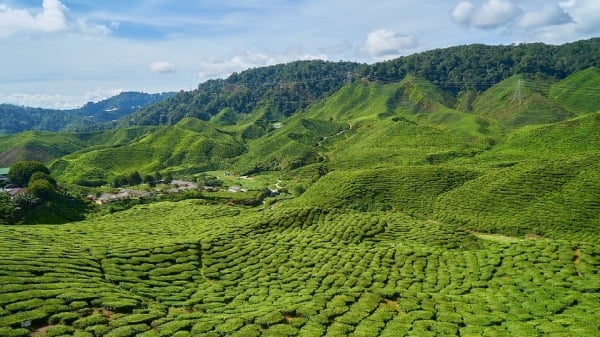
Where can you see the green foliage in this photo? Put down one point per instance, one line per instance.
(191, 146)
(520, 100)
(278, 91)
(415, 219)
(21, 172)
(577, 91)
(290, 272)
(479, 66)
(42, 176)
(41, 188)
(8, 210)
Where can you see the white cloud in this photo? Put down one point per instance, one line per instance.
(550, 15)
(56, 101)
(463, 12)
(586, 14)
(383, 42)
(163, 67)
(491, 14)
(52, 18)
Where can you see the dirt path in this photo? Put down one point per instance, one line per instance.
(337, 134)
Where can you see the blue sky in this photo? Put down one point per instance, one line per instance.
(63, 53)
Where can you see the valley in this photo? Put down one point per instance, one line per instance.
(407, 204)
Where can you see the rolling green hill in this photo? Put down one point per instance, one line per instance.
(577, 91)
(191, 145)
(404, 207)
(519, 101)
(48, 146)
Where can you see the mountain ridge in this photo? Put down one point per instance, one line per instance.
(91, 116)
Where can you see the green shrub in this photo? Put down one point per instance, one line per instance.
(83, 334)
(127, 331)
(249, 330)
(59, 330)
(9, 332)
(280, 330)
(97, 330)
(269, 319)
(169, 328)
(95, 319)
(230, 325)
(63, 318)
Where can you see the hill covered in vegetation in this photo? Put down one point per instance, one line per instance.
(386, 204)
(16, 119)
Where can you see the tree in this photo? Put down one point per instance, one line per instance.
(8, 209)
(135, 178)
(42, 176)
(149, 179)
(21, 172)
(41, 188)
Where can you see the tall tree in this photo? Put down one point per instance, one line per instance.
(20, 172)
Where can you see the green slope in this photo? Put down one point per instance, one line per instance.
(166, 269)
(558, 198)
(416, 219)
(408, 189)
(579, 92)
(37, 145)
(48, 146)
(520, 100)
(191, 145)
(372, 125)
(558, 140)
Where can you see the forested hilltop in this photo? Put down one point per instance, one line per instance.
(481, 66)
(92, 116)
(278, 91)
(274, 92)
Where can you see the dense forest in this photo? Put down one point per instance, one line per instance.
(278, 90)
(480, 66)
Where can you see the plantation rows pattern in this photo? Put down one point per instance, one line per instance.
(304, 271)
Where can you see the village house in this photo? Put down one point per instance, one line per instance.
(183, 185)
(236, 189)
(15, 192)
(107, 198)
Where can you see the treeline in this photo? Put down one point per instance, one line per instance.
(15, 119)
(90, 117)
(279, 90)
(479, 66)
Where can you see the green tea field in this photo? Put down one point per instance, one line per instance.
(454, 192)
(186, 269)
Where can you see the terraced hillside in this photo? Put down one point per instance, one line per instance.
(184, 269)
(405, 209)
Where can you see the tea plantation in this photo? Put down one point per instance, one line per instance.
(401, 209)
(185, 269)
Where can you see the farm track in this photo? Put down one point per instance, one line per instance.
(302, 271)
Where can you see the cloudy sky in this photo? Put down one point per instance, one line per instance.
(63, 53)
